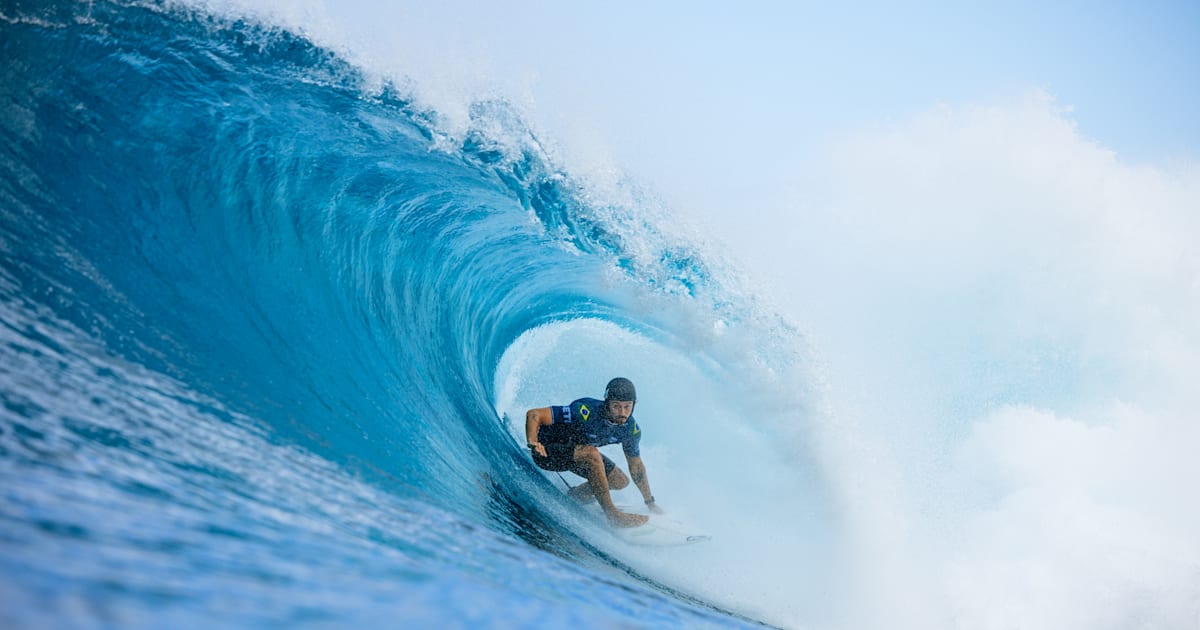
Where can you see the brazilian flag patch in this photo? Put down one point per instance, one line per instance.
(584, 412)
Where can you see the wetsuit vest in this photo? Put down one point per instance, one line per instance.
(584, 422)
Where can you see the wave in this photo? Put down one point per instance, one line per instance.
(263, 318)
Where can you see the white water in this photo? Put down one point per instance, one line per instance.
(1010, 312)
(1005, 314)
(708, 465)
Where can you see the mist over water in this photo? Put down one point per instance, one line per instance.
(947, 379)
(1030, 381)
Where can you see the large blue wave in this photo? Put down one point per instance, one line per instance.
(253, 306)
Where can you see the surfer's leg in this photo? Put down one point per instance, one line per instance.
(590, 464)
(589, 457)
(616, 480)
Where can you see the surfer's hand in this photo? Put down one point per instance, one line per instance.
(538, 448)
(654, 509)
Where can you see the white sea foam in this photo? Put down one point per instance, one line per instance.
(1008, 315)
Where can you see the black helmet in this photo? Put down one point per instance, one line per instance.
(620, 389)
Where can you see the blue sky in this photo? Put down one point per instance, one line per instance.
(789, 71)
(1131, 71)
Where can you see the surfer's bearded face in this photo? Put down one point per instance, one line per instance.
(619, 410)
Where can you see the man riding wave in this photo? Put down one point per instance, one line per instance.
(566, 437)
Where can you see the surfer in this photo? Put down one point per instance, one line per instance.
(566, 438)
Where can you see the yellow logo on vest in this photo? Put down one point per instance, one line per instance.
(584, 412)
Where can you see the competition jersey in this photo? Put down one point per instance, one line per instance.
(582, 422)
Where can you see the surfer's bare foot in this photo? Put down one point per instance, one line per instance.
(625, 519)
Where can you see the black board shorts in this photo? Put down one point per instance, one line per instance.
(561, 456)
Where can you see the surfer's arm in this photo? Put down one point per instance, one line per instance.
(534, 420)
(637, 472)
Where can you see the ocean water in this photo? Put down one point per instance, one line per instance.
(268, 317)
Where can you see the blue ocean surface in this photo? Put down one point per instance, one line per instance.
(264, 326)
